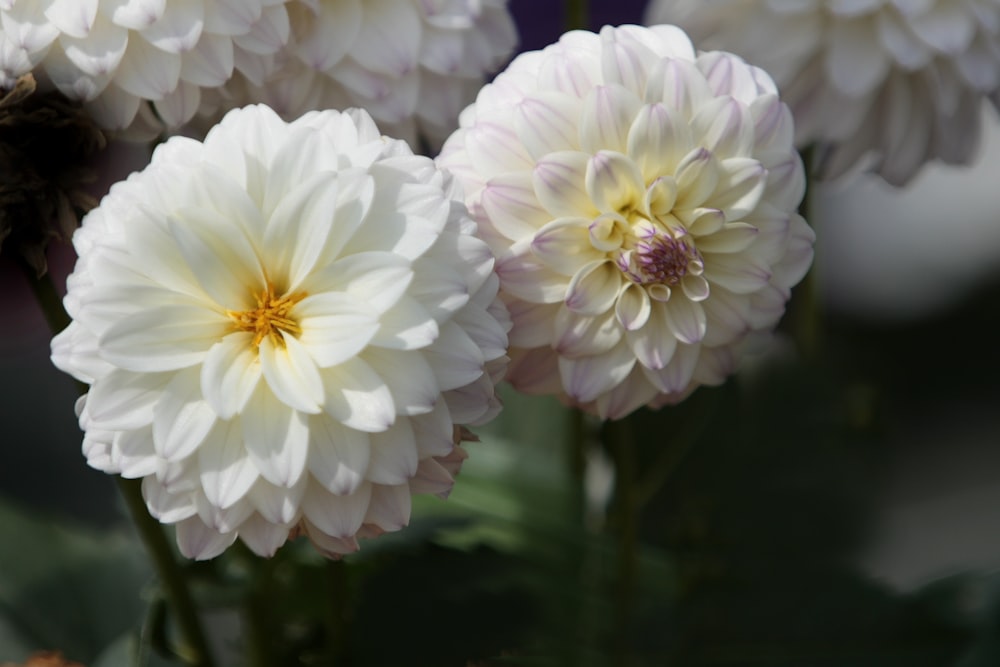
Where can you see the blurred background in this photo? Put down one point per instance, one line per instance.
(843, 510)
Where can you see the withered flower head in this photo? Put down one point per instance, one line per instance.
(46, 145)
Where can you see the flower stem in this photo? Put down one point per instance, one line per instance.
(47, 297)
(195, 650)
(627, 500)
(808, 320)
(150, 531)
(577, 14)
(337, 620)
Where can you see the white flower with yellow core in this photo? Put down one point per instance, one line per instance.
(884, 84)
(282, 329)
(641, 201)
(412, 64)
(137, 64)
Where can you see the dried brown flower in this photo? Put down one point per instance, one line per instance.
(46, 145)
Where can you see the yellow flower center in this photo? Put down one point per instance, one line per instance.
(271, 316)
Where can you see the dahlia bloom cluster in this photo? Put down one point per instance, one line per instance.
(889, 84)
(282, 329)
(136, 64)
(641, 201)
(412, 64)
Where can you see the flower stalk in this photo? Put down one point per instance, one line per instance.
(577, 14)
(626, 504)
(195, 648)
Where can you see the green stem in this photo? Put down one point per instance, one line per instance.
(48, 298)
(257, 609)
(808, 320)
(622, 447)
(577, 14)
(172, 578)
(195, 649)
(337, 620)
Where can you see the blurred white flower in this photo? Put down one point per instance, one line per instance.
(281, 329)
(138, 64)
(887, 84)
(641, 203)
(413, 64)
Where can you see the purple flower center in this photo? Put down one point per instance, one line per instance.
(659, 258)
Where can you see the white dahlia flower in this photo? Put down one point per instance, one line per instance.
(641, 203)
(887, 84)
(281, 329)
(413, 64)
(138, 64)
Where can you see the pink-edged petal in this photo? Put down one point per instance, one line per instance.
(632, 308)
(578, 336)
(608, 112)
(654, 344)
(511, 205)
(657, 140)
(686, 319)
(560, 184)
(564, 245)
(587, 378)
(594, 288)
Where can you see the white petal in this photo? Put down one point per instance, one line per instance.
(455, 358)
(409, 377)
(406, 326)
(230, 373)
(182, 418)
(178, 28)
(393, 454)
(123, 400)
(200, 542)
(147, 72)
(357, 397)
(338, 455)
(291, 373)
(338, 516)
(277, 438)
(390, 507)
(263, 537)
(163, 338)
(227, 472)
